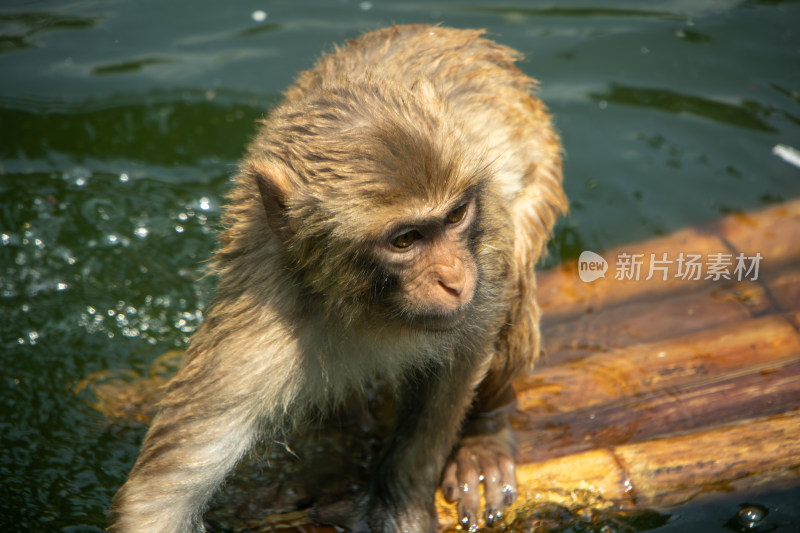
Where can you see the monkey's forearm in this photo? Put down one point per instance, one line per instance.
(495, 397)
(209, 418)
(425, 431)
(183, 460)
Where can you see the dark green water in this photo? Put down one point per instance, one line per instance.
(120, 123)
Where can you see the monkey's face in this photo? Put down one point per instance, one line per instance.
(386, 214)
(432, 262)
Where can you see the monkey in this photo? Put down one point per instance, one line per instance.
(384, 224)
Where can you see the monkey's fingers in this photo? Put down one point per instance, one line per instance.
(509, 489)
(469, 503)
(449, 483)
(492, 489)
(499, 485)
(460, 481)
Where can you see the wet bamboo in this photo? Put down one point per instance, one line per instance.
(641, 369)
(754, 391)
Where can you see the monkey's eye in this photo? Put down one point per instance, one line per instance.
(457, 215)
(404, 240)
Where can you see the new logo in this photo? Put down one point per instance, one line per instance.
(591, 266)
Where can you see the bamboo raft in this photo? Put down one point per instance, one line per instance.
(652, 392)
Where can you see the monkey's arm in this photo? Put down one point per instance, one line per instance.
(531, 152)
(186, 455)
(424, 432)
(208, 419)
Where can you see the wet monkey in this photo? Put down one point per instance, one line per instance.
(384, 224)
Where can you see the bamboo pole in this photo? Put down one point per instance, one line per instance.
(784, 289)
(749, 453)
(637, 370)
(649, 321)
(562, 295)
(754, 391)
(773, 232)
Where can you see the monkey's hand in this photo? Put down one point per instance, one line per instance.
(486, 458)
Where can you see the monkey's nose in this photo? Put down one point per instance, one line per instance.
(452, 277)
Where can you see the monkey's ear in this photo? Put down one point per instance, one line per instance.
(275, 187)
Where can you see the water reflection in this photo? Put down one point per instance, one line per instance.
(749, 516)
(258, 30)
(746, 115)
(18, 30)
(130, 66)
(199, 132)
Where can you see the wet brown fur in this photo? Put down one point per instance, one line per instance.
(398, 124)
